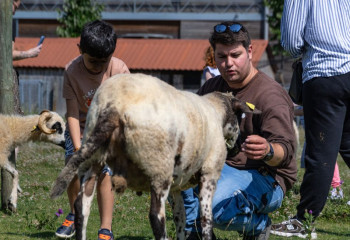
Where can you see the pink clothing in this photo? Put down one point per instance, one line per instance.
(80, 85)
(336, 182)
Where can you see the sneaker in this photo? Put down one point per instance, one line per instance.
(196, 236)
(264, 235)
(291, 228)
(336, 194)
(105, 234)
(67, 229)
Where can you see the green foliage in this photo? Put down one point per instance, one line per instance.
(42, 220)
(75, 14)
(274, 20)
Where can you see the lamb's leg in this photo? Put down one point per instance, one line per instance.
(206, 192)
(179, 214)
(83, 202)
(12, 204)
(157, 211)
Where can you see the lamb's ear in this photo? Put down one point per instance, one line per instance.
(244, 107)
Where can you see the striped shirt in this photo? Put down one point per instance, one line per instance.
(319, 31)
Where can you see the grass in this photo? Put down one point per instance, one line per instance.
(39, 165)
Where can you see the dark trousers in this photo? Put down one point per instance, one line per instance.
(326, 104)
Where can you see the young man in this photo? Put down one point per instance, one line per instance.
(252, 182)
(82, 77)
(318, 30)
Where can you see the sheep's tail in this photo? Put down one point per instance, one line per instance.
(106, 123)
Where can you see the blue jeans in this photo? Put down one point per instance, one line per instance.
(241, 202)
(69, 151)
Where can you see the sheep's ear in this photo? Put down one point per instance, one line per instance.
(244, 107)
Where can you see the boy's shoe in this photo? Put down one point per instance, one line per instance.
(67, 229)
(105, 234)
(264, 235)
(291, 228)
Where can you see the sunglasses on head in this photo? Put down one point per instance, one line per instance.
(220, 28)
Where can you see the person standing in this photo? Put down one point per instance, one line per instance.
(319, 31)
(254, 180)
(209, 70)
(82, 76)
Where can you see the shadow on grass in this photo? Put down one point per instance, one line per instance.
(345, 235)
(131, 238)
(41, 235)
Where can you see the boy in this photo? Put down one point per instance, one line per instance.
(82, 76)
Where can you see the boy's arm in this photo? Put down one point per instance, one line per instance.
(73, 122)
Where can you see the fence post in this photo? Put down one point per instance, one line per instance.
(6, 86)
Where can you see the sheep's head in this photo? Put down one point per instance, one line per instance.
(52, 127)
(234, 110)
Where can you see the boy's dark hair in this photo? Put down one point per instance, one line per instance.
(98, 39)
(230, 38)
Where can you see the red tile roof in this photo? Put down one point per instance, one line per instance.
(138, 54)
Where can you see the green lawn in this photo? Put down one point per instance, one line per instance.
(39, 165)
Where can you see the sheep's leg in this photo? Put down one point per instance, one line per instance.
(157, 211)
(179, 214)
(206, 191)
(12, 204)
(83, 202)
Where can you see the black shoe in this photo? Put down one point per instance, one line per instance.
(264, 235)
(196, 236)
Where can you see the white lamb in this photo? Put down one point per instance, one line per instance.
(16, 130)
(155, 138)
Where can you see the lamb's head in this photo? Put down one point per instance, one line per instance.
(52, 127)
(234, 111)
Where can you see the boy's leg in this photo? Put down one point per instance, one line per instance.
(67, 229)
(105, 200)
(336, 177)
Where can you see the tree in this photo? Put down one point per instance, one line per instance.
(74, 14)
(274, 20)
(6, 89)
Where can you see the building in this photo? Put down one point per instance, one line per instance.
(168, 41)
(177, 61)
(184, 19)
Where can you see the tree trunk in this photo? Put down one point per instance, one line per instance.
(6, 85)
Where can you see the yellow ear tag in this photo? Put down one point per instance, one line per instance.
(250, 105)
(34, 128)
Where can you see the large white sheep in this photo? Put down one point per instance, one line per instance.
(16, 130)
(155, 138)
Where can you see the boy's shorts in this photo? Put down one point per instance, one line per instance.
(69, 151)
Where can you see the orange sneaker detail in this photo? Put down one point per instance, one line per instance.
(67, 223)
(103, 236)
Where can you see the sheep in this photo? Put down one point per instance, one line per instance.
(155, 138)
(16, 130)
